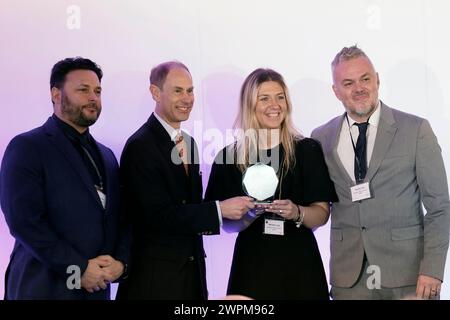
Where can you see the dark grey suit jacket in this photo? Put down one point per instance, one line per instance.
(406, 171)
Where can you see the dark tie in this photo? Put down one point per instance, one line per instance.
(361, 152)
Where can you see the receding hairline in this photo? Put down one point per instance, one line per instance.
(159, 73)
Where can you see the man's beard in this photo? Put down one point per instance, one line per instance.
(75, 114)
(367, 111)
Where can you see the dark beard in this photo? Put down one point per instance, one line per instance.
(75, 112)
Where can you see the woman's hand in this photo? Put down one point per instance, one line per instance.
(284, 208)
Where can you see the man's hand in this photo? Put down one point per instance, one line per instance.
(428, 287)
(113, 270)
(235, 208)
(93, 277)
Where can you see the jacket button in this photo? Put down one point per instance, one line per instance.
(363, 228)
(191, 258)
(183, 202)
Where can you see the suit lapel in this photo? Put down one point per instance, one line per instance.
(62, 143)
(385, 134)
(194, 177)
(167, 146)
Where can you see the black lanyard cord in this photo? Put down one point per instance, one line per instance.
(95, 167)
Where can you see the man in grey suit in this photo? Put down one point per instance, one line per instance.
(384, 163)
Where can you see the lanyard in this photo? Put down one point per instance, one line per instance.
(100, 179)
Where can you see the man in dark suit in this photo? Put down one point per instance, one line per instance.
(163, 197)
(59, 191)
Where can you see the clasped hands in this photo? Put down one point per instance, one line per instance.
(101, 271)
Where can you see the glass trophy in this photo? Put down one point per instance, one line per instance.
(260, 182)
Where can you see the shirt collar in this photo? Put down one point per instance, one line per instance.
(170, 130)
(374, 118)
(70, 131)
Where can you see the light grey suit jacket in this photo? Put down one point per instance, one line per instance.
(405, 171)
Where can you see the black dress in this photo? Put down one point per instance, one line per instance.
(273, 266)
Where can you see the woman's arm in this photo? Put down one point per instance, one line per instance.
(312, 216)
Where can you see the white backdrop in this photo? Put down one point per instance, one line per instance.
(221, 41)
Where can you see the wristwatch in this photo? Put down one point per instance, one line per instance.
(125, 271)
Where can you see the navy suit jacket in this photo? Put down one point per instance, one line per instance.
(55, 214)
(168, 218)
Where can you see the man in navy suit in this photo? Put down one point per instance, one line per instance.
(59, 191)
(162, 189)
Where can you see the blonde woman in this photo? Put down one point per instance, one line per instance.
(276, 255)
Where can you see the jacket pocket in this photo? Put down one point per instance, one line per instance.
(407, 233)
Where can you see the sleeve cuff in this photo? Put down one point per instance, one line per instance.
(219, 212)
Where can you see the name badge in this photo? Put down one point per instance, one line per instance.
(360, 192)
(275, 227)
(102, 198)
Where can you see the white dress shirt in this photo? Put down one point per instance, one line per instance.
(345, 148)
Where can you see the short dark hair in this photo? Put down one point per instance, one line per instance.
(159, 73)
(63, 67)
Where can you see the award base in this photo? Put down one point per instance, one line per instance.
(262, 203)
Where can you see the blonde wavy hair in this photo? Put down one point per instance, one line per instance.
(247, 123)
